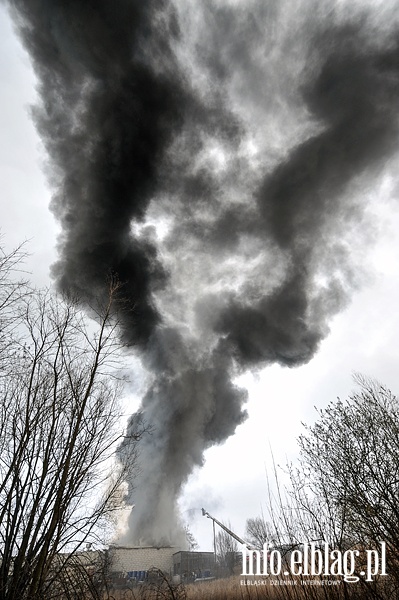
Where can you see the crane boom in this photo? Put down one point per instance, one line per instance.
(233, 535)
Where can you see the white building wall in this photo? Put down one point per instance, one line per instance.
(125, 558)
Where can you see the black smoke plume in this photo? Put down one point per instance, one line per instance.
(215, 156)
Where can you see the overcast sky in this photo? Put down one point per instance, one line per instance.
(363, 337)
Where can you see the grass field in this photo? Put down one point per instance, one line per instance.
(236, 588)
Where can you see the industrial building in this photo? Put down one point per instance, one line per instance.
(141, 558)
(193, 565)
(138, 560)
(134, 562)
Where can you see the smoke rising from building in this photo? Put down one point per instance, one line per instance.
(216, 158)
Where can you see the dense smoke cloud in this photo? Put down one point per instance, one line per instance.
(354, 95)
(216, 158)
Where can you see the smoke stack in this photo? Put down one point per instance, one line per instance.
(223, 200)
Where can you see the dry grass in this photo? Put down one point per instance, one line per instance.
(257, 588)
(290, 588)
(235, 588)
(282, 588)
(227, 589)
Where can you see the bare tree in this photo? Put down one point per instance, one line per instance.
(82, 575)
(59, 424)
(346, 488)
(259, 532)
(13, 289)
(226, 550)
(351, 455)
(343, 491)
